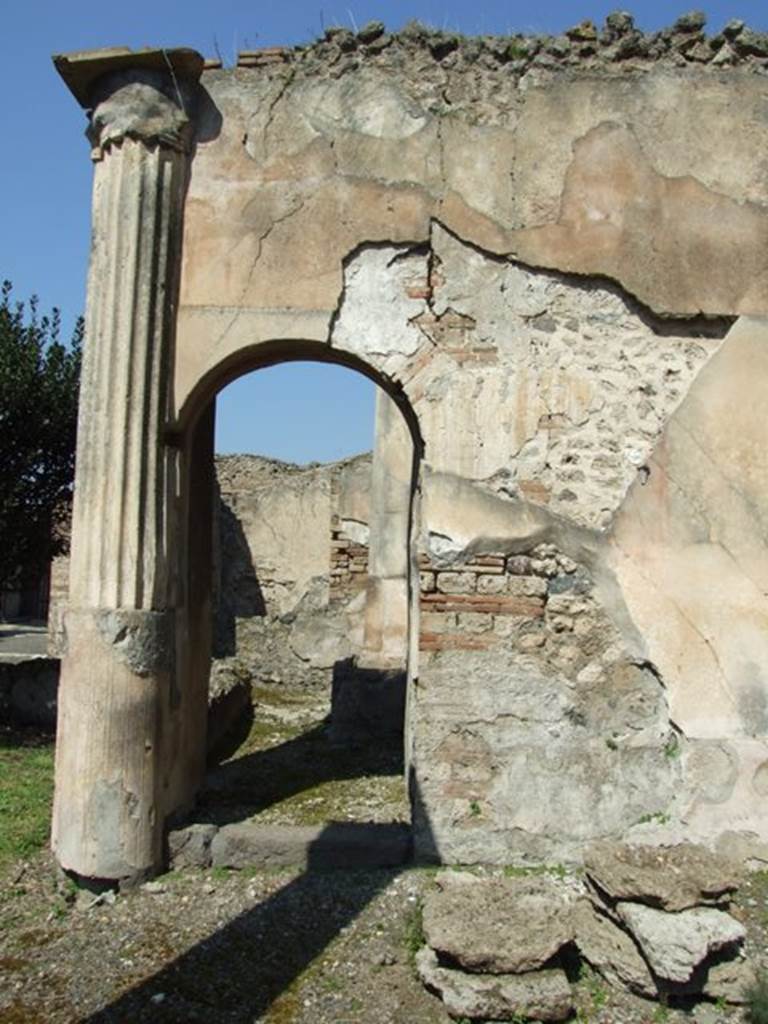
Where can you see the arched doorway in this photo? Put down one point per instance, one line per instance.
(369, 676)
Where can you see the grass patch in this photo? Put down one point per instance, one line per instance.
(558, 871)
(26, 794)
(757, 1000)
(414, 937)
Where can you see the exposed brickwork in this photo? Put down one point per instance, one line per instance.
(348, 573)
(475, 605)
(349, 566)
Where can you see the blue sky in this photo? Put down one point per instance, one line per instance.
(45, 172)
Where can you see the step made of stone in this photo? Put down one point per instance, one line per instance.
(313, 847)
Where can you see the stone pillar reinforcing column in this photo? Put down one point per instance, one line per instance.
(117, 688)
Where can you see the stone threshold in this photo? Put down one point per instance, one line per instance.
(336, 845)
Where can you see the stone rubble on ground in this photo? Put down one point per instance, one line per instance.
(672, 904)
(675, 944)
(653, 920)
(670, 878)
(542, 995)
(525, 922)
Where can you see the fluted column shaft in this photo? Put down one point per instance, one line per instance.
(117, 680)
(118, 547)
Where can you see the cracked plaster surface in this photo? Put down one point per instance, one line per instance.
(691, 541)
(527, 380)
(376, 157)
(507, 263)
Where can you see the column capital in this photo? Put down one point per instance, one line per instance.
(138, 94)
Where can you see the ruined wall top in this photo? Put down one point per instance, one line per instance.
(617, 47)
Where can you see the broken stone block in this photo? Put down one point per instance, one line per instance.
(611, 951)
(537, 995)
(190, 847)
(675, 944)
(672, 878)
(499, 926)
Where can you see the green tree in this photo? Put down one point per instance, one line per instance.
(39, 380)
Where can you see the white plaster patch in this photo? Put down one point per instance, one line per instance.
(357, 532)
(375, 108)
(377, 309)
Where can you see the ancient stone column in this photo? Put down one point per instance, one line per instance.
(118, 691)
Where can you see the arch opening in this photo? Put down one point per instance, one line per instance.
(300, 611)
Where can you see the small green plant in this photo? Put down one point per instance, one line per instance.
(517, 50)
(660, 1014)
(332, 984)
(659, 817)
(757, 1000)
(475, 809)
(598, 993)
(672, 747)
(611, 743)
(558, 871)
(59, 909)
(219, 874)
(414, 931)
(594, 987)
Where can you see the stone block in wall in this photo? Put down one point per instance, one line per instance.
(519, 565)
(438, 622)
(527, 586)
(502, 604)
(475, 622)
(427, 582)
(454, 642)
(456, 582)
(491, 585)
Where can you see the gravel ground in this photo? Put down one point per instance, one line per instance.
(237, 947)
(279, 946)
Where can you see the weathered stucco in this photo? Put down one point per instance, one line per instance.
(542, 257)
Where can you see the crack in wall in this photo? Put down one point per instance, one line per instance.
(715, 326)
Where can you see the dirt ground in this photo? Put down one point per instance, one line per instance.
(278, 946)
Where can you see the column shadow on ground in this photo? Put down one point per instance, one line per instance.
(236, 974)
(345, 746)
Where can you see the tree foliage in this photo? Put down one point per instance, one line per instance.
(39, 379)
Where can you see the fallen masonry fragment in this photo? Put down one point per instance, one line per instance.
(505, 948)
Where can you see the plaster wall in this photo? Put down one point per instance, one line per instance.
(547, 265)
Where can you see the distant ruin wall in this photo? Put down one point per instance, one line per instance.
(290, 569)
